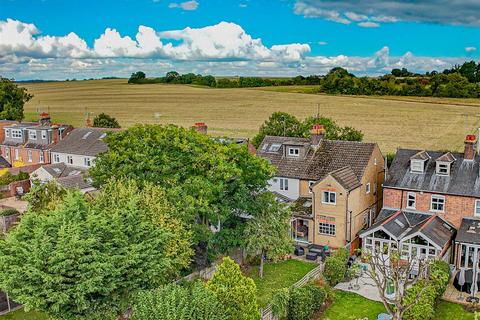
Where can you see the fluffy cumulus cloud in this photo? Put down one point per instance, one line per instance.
(225, 48)
(372, 13)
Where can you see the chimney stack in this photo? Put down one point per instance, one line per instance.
(317, 134)
(55, 134)
(470, 142)
(44, 119)
(200, 127)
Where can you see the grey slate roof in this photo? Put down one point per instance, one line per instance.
(318, 162)
(421, 155)
(4, 163)
(402, 224)
(463, 179)
(82, 141)
(469, 231)
(59, 170)
(447, 157)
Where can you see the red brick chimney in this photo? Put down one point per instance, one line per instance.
(317, 134)
(55, 134)
(44, 119)
(470, 142)
(201, 127)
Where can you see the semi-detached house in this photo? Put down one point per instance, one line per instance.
(431, 205)
(333, 187)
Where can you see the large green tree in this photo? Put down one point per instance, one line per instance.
(268, 232)
(104, 120)
(84, 258)
(236, 292)
(176, 302)
(208, 181)
(287, 125)
(12, 100)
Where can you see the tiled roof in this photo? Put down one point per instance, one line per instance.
(83, 141)
(447, 157)
(402, 224)
(463, 179)
(469, 231)
(347, 178)
(59, 170)
(75, 181)
(421, 155)
(302, 207)
(318, 162)
(4, 163)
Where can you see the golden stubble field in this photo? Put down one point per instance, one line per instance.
(392, 122)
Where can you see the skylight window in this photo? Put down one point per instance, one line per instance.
(264, 147)
(400, 223)
(274, 147)
(85, 136)
(102, 136)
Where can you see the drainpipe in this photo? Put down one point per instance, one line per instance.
(314, 215)
(348, 231)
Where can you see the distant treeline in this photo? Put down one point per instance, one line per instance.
(461, 81)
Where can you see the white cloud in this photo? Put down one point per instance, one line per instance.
(187, 5)
(470, 49)
(368, 24)
(225, 48)
(322, 43)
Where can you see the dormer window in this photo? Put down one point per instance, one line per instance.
(32, 134)
(443, 168)
(293, 152)
(417, 166)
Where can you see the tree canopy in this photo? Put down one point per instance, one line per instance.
(136, 76)
(103, 120)
(268, 233)
(82, 259)
(236, 292)
(287, 125)
(209, 182)
(12, 100)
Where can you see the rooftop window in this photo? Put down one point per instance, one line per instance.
(417, 166)
(274, 147)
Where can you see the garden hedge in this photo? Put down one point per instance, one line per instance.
(336, 267)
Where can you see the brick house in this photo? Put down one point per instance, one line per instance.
(440, 188)
(333, 187)
(30, 143)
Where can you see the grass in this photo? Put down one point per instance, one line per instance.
(277, 276)
(22, 315)
(408, 122)
(352, 306)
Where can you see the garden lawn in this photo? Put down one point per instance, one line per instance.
(277, 276)
(352, 306)
(22, 315)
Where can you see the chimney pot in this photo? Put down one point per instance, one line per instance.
(317, 134)
(201, 127)
(44, 119)
(470, 142)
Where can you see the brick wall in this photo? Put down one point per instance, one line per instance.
(456, 207)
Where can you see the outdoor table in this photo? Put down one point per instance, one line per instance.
(468, 281)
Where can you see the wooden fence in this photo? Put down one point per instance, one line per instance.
(315, 273)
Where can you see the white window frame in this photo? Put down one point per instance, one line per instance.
(7, 153)
(7, 133)
(42, 157)
(329, 197)
(476, 212)
(44, 134)
(437, 198)
(283, 184)
(16, 133)
(32, 134)
(327, 228)
(444, 165)
(293, 152)
(414, 199)
(56, 158)
(414, 163)
(367, 188)
(87, 161)
(69, 159)
(17, 154)
(29, 155)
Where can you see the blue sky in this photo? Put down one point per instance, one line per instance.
(65, 39)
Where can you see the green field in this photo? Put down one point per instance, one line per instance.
(409, 122)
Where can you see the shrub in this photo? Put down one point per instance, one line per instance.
(432, 290)
(304, 301)
(8, 212)
(8, 178)
(177, 302)
(336, 267)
